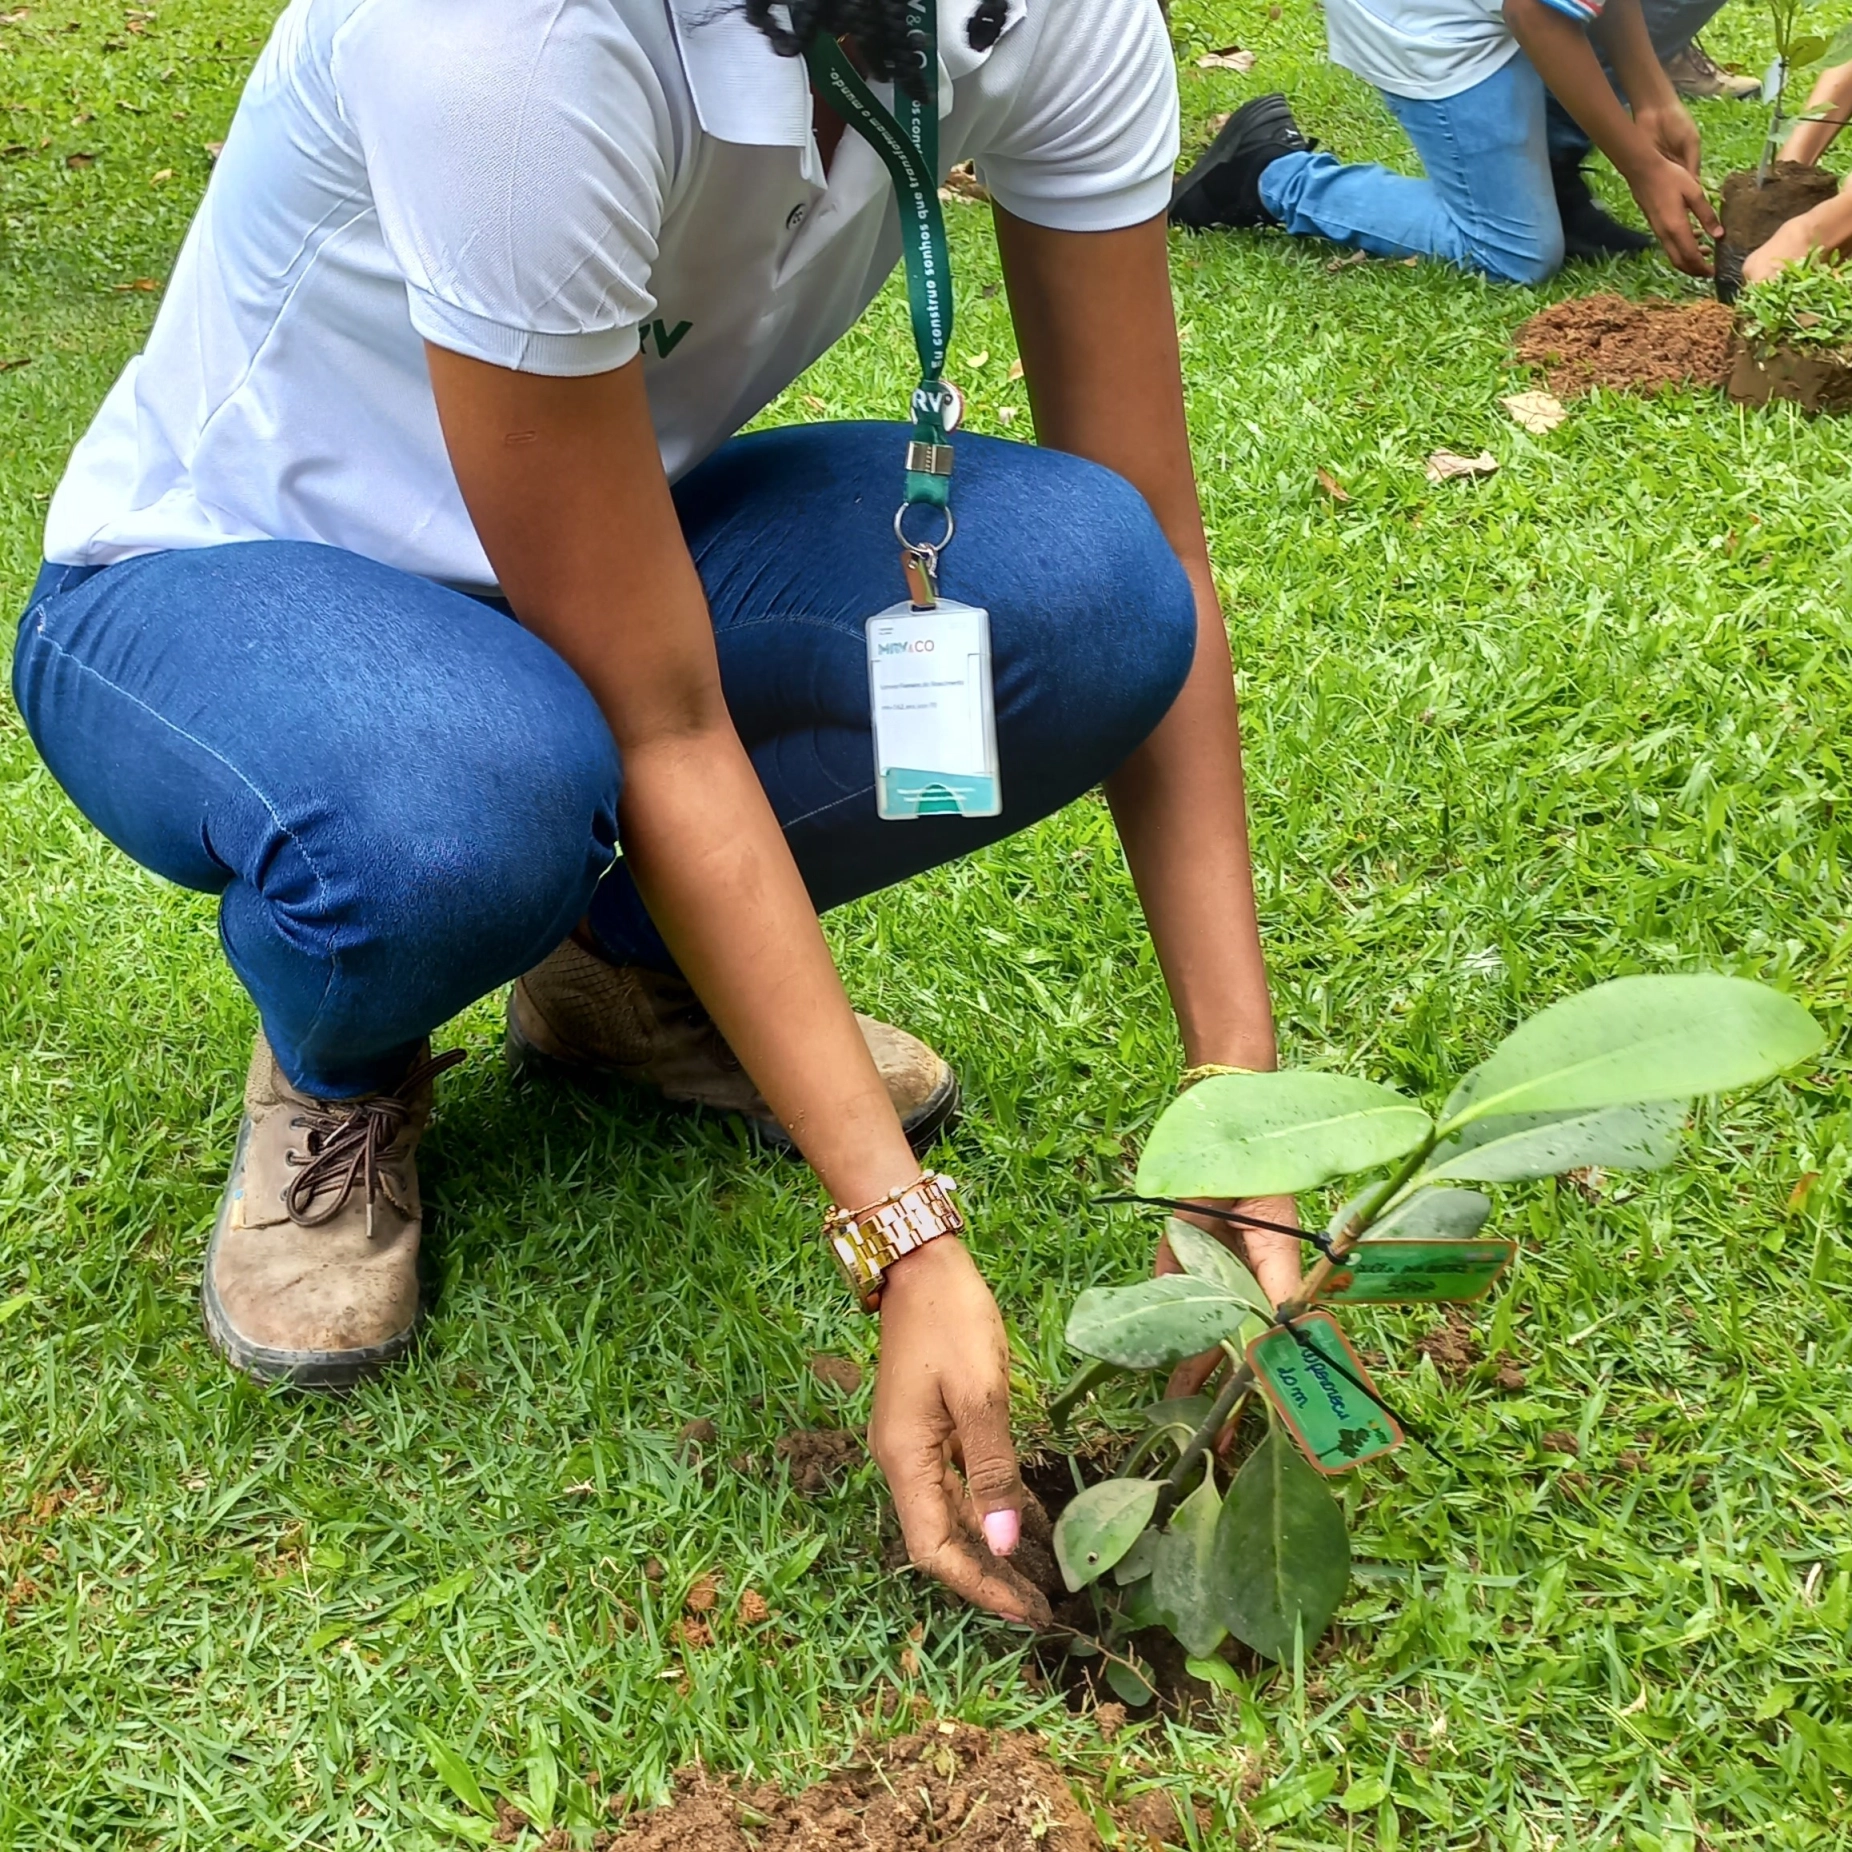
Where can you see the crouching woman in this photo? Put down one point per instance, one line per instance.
(416, 565)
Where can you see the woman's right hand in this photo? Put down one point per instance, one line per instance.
(941, 1429)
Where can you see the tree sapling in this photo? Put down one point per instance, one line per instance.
(1604, 1078)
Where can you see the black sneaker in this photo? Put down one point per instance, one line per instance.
(1590, 232)
(1223, 188)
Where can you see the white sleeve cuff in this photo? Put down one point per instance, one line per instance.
(522, 350)
(1096, 212)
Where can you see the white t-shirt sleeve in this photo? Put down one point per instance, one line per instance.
(1090, 142)
(514, 153)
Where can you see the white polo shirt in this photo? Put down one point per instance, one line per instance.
(552, 186)
(1429, 49)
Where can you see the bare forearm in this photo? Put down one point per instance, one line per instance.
(709, 860)
(1831, 103)
(1621, 34)
(1566, 62)
(1181, 807)
(545, 466)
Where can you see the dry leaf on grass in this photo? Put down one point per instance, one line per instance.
(1537, 412)
(1445, 465)
(1016, 368)
(1229, 58)
(22, 360)
(1332, 487)
(978, 362)
(1349, 261)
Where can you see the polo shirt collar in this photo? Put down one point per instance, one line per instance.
(745, 92)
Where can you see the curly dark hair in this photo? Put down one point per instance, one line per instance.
(878, 27)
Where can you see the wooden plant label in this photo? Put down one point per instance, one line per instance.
(1335, 1423)
(1418, 1272)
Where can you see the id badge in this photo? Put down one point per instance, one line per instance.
(935, 721)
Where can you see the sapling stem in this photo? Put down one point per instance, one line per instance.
(1241, 1378)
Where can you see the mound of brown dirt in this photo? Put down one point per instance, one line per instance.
(1753, 214)
(950, 1789)
(1625, 346)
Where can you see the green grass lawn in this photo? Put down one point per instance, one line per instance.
(1506, 738)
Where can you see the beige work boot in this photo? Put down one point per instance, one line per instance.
(312, 1275)
(586, 1017)
(1695, 73)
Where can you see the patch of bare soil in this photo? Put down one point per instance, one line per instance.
(1606, 340)
(1451, 1347)
(1753, 214)
(817, 1457)
(948, 1789)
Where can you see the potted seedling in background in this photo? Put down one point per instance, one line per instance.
(1604, 1078)
(1796, 338)
(1757, 203)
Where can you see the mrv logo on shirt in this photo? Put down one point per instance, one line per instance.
(935, 722)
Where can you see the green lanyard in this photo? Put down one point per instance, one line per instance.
(908, 144)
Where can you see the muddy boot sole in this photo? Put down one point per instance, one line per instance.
(302, 1369)
(527, 1059)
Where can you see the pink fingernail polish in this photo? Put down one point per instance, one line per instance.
(1002, 1529)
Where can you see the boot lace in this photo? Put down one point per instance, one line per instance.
(346, 1144)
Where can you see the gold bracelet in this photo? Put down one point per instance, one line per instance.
(1208, 1070)
(868, 1241)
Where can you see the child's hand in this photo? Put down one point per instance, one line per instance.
(1789, 245)
(1672, 198)
(1669, 127)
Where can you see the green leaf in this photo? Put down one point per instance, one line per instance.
(542, 1782)
(1633, 1040)
(1545, 1144)
(1275, 1134)
(1182, 1572)
(438, 1595)
(1137, 1609)
(1205, 1257)
(1136, 1563)
(457, 1775)
(1099, 1525)
(1371, 1791)
(1807, 50)
(1434, 1215)
(1282, 1558)
(1156, 1323)
(1288, 1799)
(1129, 1684)
(10, 1307)
(1214, 1670)
(1839, 50)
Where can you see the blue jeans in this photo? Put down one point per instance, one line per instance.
(1487, 203)
(404, 799)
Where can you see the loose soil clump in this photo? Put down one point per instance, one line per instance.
(1644, 347)
(948, 1789)
(1452, 1347)
(818, 1457)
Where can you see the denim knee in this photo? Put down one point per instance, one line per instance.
(1112, 629)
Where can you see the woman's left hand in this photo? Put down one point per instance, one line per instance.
(1273, 1259)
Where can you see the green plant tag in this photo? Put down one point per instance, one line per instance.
(1419, 1272)
(1335, 1423)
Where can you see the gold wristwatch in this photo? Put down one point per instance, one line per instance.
(866, 1242)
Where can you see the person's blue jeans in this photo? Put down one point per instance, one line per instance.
(404, 799)
(1486, 204)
